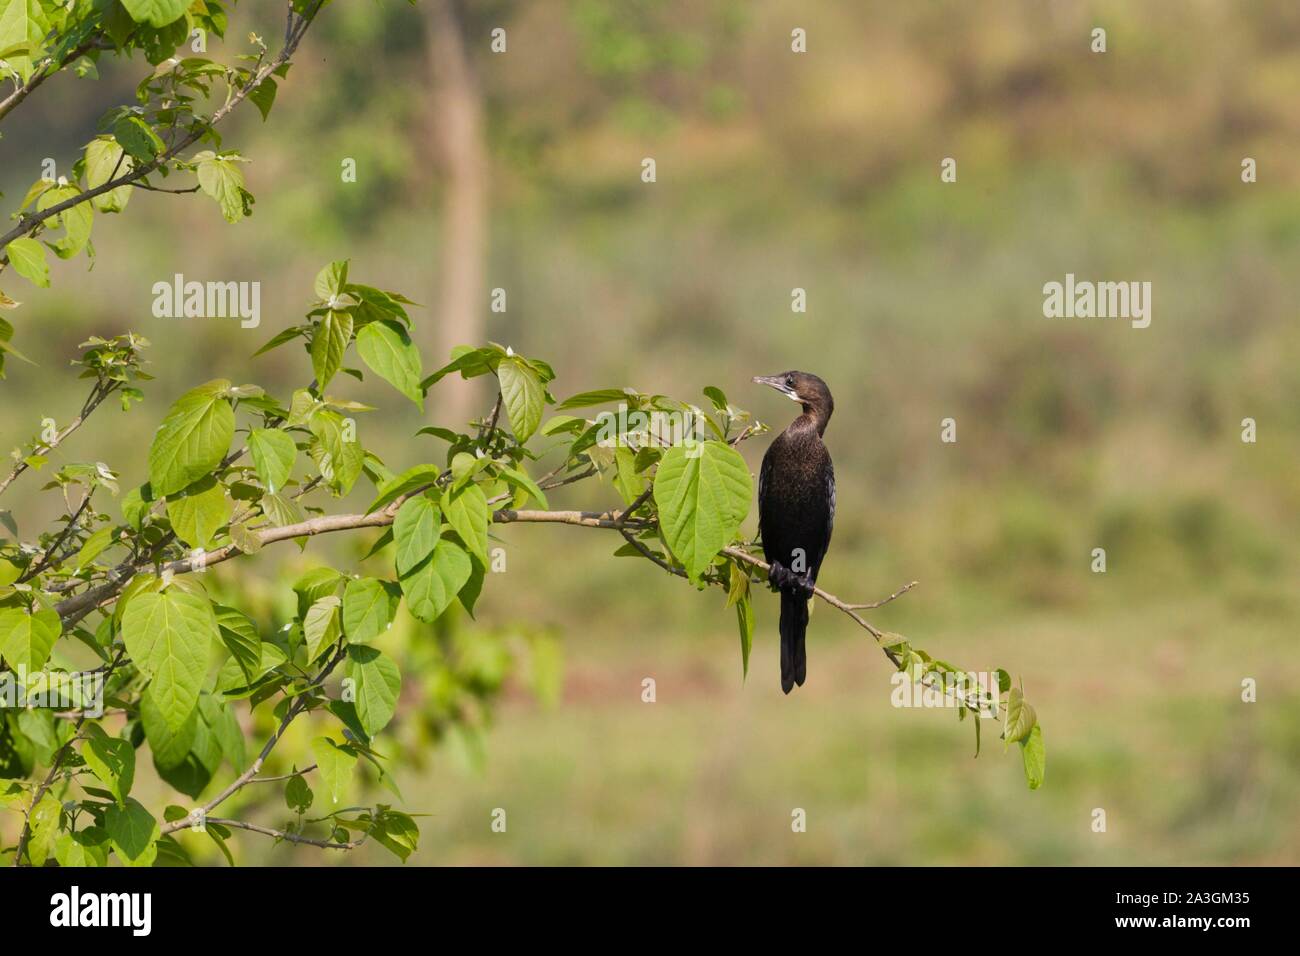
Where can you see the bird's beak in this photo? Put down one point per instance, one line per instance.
(778, 383)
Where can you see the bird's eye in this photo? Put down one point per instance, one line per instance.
(789, 381)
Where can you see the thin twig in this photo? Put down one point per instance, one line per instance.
(296, 708)
(287, 836)
(98, 394)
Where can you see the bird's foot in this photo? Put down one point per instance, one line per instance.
(781, 578)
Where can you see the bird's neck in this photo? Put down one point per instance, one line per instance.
(812, 420)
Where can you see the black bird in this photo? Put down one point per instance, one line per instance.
(796, 511)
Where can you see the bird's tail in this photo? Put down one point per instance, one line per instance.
(794, 627)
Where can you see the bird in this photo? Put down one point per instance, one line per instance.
(796, 511)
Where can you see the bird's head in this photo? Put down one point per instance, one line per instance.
(806, 389)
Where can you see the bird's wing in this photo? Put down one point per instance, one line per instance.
(764, 473)
(830, 497)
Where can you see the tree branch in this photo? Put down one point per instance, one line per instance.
(289, 837)
(249, 775)
(43, 73)
(97, 395)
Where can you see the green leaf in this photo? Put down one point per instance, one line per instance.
(329, 342)
(703, 492)
(76, 220)
(240, 636)
(600, 396)
(335, 765)
(168, 635)
(331, 281)
(627, 482)
(138, 139)
(23, 25)
(222, 179)
(322, 625)
(263, 96)
(517, 478)
(1021, 717)
(297, 794)
(133, 832)
(744, 621)
(27, 639)
(378, 682)
(368, 609)
(44, 823)
(314, 585)
(416, 529)
(156, 13)
(407, 481)
(281, 510)
(27, 256)
(397, 833)
(1035, 757)
(104, 155)
(274, 453)
(523, 395)
(93, 547)
(193, 438)
(386, 348)
(111, 759)
(434, 583)
(467, 512)
(198, 511)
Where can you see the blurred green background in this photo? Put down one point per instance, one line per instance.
(777, 170)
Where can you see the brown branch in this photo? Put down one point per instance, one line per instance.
(48, 556)
(97, 395)
(289, 837)
(43, 73)
(248, 776)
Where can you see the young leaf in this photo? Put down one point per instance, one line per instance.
(198, 511)
(523, 395)
(111, 759)
(27, 256)
(368, 609)
(168, 635)
(321, 626)
(378, 682)
(416, 529)
(133, 833)
(466, 511)
(27, 639)
(223, 180)
(1035, 757)
(434, 583)
(273, 454)
(335, 765)
(386, 348)
(703, 493)
(328, 344)
(193, 438)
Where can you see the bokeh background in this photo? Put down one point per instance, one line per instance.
(779, 170)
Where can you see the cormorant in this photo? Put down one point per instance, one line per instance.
(796, 511)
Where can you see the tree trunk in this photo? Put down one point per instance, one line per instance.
(456, 124)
